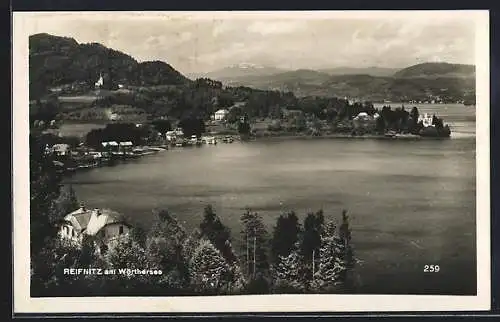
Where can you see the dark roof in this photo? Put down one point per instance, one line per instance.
(83, 219)
(80, 219)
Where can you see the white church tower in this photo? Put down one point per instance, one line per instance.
(99, 82)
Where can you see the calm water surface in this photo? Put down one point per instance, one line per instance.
(412, 203)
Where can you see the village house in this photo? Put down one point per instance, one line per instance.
(179, 132)
(104, 224)
(365, 122)
(426, 120)
(174, 134)
(291, 113)
(169, 135)
(61, 149)
(111, 146)
(220, 114)
(126, 146)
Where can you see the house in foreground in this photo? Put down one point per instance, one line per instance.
(104, 224)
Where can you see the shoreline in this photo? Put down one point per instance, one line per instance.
(154, 149)
(288, 136)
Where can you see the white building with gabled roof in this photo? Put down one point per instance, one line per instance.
(104, 224)
(220, 114)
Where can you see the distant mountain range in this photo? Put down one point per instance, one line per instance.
(244, 71)
(55, 61)
(239, 70)
(418, 82)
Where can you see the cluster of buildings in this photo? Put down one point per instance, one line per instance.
(64, 149)
(69, 159)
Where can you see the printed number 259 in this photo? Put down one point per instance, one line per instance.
(431, 268)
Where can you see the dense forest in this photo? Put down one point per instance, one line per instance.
(315, 256)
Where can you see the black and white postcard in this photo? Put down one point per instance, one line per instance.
(328, 161)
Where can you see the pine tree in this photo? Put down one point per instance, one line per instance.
(253, 250)
(209, 271)
(336, 258)
(285, 235)
(311, 241)
(191, 244)
(164, 247)
(287, 272)
(167, 224)
(139, 235)
(347, 253)
(328, 276)
(219, 235)
(237, 281)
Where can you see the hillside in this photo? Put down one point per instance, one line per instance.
(372, 71)
(437, 70)
(399, 89)
(60, 61)
(283, 80)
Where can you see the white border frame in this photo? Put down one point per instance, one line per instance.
(23, 303)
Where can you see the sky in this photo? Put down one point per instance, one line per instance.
(203, 42)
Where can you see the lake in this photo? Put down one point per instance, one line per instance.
(411, 203)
